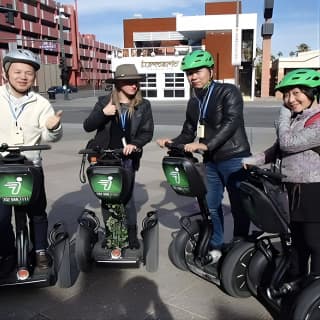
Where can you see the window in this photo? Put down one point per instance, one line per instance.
(149, 85)
(174, 85)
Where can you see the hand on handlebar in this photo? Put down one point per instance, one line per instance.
(248, 163)
(129, 148)
(162, 142)
(195, 147)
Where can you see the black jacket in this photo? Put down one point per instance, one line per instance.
(225, 133)
(142, 125)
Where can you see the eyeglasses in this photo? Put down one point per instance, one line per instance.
(130, 82)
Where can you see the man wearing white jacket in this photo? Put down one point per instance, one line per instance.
(28, 119)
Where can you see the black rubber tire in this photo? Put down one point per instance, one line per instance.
(260, 268)
(255, 271)
(307, 304)
(174, 259)
(177, 247)
(64, 267)
(83, 248)
(234, 269)
(151, 249)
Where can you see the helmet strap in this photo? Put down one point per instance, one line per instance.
(12, 88)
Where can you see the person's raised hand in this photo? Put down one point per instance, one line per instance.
(110, 109)
(54, 121)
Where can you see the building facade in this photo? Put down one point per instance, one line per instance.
(157, 46)
(281, 66)
(51, 31)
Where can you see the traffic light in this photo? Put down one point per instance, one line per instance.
(61, 63)
(65, 75)
(268, 9)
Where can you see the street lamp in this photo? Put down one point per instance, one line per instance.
(236, 47)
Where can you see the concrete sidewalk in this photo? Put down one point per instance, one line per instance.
(114, 293)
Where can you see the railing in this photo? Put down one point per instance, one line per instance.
(155, 51)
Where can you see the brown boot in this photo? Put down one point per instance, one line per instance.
(42, 260)
(132, 237)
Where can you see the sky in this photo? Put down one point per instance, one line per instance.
(295, 21)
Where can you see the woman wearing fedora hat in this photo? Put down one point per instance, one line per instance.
(123, 119)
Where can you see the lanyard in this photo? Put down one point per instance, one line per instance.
(203, 105)
(123, 118)
(16, 115)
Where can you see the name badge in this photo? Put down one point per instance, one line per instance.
(200, 131)
(17, 136)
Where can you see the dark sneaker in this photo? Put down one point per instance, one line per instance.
(132, 237)
(7, 264)
(42, 260)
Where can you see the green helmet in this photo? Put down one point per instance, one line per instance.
(197, 59)
(300, 77)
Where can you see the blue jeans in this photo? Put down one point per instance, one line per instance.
(225, 174)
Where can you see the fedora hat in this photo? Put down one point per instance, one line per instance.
(125, 72)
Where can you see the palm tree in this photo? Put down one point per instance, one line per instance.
(279, 54)
(302, 47)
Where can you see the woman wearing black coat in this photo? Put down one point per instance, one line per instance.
(123, 119)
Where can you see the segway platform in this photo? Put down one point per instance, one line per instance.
(43, 278)
(117, 255)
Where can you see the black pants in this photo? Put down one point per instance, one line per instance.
(37, 217)
(305, 226)
(306, 244)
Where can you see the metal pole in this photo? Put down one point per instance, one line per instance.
(63, 57)
(236, 68)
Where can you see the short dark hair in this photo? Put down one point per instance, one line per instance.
(311, 93)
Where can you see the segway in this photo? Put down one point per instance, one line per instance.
(189, 249)
(112, 184)
(18, 188)
(265, 201)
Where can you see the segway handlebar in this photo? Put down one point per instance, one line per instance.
(101, 151)
(264, 172)
(178, 149)
(4, 147)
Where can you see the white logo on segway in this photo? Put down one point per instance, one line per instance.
(15, 186)
(176, 175)
(106, 183)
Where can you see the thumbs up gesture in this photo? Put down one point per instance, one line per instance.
(110, 109)
(53, 122)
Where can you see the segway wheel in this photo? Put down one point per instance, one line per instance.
(234, 270)
(83, 248)
(307, 303)
(150, 235)
(177, 248)
(59, 249)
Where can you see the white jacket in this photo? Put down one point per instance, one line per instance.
(36, 110)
